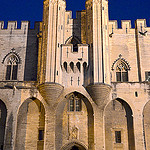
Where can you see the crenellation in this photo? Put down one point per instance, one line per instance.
(12, 25)
(126, 24)
(1, 25)
(141, 23)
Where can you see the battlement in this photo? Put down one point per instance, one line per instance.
(127, 24)
(13, 28)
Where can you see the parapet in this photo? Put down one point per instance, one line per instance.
(126, 26)
(13, 28)
(127, 23)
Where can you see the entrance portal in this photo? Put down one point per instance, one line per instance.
(75, 148)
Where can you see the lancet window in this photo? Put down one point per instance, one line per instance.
(121, 68)
(121, 72)
(12, 68)
(74, 103)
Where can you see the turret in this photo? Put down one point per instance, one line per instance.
(52, 35)
(97, 38)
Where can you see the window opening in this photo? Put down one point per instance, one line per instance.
(147, 76)
(65, 66)
(136, 94)
(41, 135)
(72, 66)
(118, 136)
(12, 68)
(121, 72)
(74, 103)
(78, 66)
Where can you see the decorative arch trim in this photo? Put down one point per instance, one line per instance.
(10, 54)
(74, 143)
(120, 59)
(68, 41)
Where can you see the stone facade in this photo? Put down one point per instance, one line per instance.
(75, 84)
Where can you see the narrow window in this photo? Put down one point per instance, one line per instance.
(72, 103)
(78, 66)
(118, 76)
(136, 94)
(41, 135)
(147, 76)
(75, 48)
(72, 66)
(125, 76)
(65, 66)
(8, 72)
(118, 136)
(78, 104)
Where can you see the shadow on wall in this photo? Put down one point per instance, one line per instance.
(31, 60)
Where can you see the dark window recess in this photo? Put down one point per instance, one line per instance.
(122, 76)
(75, 48)
(65, 66)
(118, 76)
(136, 94)
(1, 147)
(118, 136)
(78, 105)
(41, 135)
(8, 72)
(74, 148)
(147, 76)
(14, 72)
(78, 66)
(72, 105)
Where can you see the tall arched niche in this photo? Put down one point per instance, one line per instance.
(74, 124)
(146, 124)
(3, 116)
(30, 125)
(119, 132)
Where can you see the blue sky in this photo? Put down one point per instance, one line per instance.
(32, 9)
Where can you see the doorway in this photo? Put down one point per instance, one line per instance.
(74, 148)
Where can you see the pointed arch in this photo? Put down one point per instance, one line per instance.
(121, 68)
(146, 124)
(73, 40)
(72, 66)
(30, 125)
(121, 63)
(74, 145)
(12, 54)
(11, 61)
(120, 129)
(64, 126)
(3, 116)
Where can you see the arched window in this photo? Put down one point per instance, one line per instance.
(74, 103)
(72, 66)
(12, 68)
(121, 67)
(84, 66)
(121, 72)
(78, 66)
(65, 66)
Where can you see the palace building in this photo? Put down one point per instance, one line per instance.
(75, 84)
